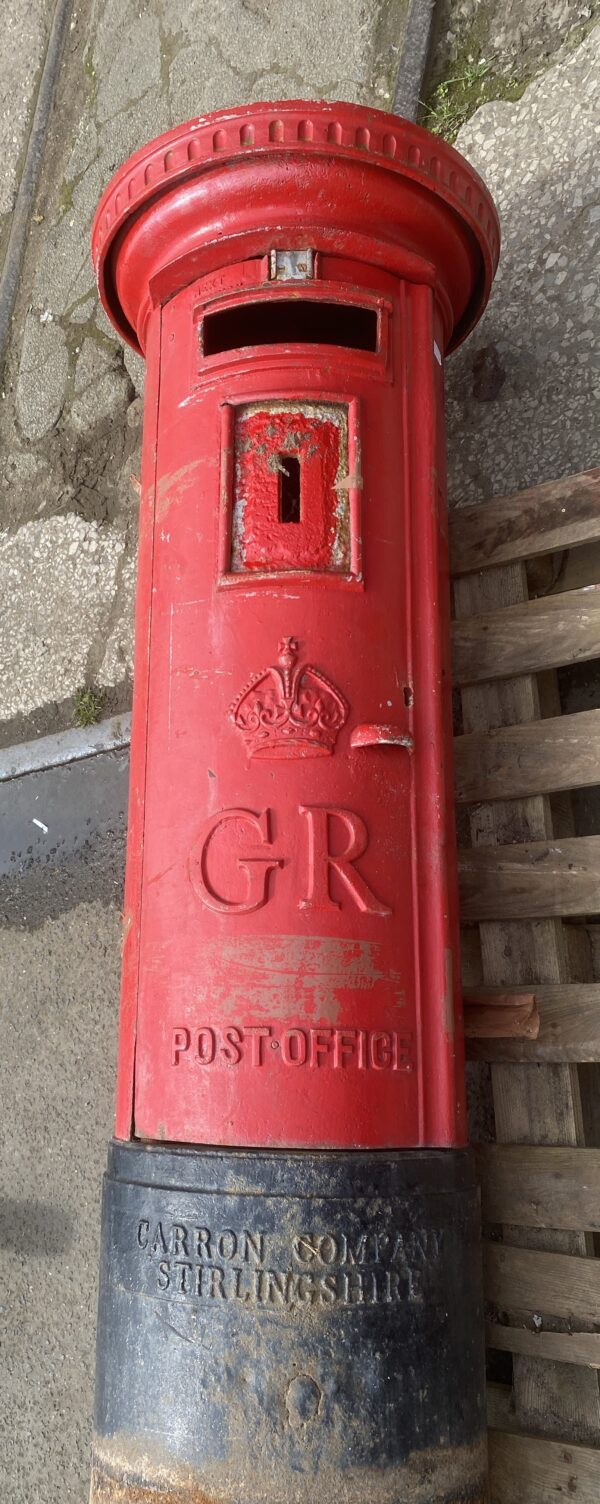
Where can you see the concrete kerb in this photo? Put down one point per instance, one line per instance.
(65, 747)
(414, 58)
(11, 270)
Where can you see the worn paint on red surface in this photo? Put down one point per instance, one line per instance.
(273, 821)
(291, 973)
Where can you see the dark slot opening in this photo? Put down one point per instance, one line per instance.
(296, 322)
(289, 488)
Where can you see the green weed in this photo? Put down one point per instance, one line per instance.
(454, 99)
(88, 707)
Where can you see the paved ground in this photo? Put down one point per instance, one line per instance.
(524, 395)
(521, 406)
(57, 1078)
(25, 27)
(514, 38)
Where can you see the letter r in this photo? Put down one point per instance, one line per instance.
(320, 861)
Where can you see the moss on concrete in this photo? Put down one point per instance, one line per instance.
(65, 196)
(87, 707)
(493, 51)
(470, 85)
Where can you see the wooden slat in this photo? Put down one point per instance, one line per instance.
(530, 881)
(549, 1284)
(556, 515)
(569, 1030)
(543, 757)
(499, 1407)
(557, 1347)
(506, 1016)
(531, 1470)
(528, 637)
(544, 1105)
(551, 574)
(535, 1186)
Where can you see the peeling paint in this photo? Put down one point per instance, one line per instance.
(172, 488)
(294, 976)
(319, 539)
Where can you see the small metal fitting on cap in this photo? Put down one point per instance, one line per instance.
(291, 266)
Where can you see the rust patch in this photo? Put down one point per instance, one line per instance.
(133, 1470)
(439, 1475)
(107, 1490)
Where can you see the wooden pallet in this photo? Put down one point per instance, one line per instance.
(528, 886)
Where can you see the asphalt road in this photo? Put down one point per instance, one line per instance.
(60, 902)
(62, 839)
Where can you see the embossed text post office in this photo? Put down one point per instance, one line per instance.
(290, 1300)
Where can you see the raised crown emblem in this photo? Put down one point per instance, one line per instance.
(289, 711)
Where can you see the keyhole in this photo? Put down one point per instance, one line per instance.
(289, 488)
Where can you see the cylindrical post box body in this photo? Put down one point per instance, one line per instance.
(290, 1291)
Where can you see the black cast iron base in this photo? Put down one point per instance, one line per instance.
(280, 1327)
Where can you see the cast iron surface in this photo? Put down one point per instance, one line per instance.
(273, 1325)
(291, 131)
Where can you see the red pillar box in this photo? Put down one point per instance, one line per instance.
(290, 1292)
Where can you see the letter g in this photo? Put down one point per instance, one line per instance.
(256, 868)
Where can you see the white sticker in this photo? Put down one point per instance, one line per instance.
(437, 352)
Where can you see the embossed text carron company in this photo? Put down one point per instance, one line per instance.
(325, 1269)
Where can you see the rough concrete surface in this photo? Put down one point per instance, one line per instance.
(25, 27)
(523, 395)
(516, 38)
(67, 570)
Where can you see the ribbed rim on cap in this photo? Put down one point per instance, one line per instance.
(341, 130)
